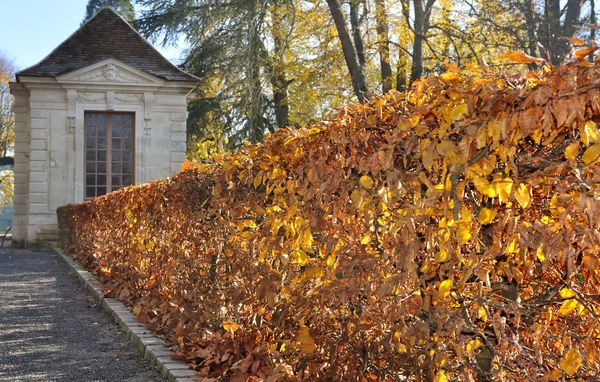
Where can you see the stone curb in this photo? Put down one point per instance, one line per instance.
(153, 349)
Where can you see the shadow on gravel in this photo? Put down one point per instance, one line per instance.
(52, 330)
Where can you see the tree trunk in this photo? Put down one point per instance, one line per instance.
(359, 82)
(416, 70)
(278, 80)
(254, 87)
(593, 22)
(383, 46)
(551, 29)
(355, 25)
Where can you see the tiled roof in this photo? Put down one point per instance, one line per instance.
(106, 35)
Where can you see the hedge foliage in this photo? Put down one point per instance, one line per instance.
(446, 234)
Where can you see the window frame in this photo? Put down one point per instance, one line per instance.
(109, 149)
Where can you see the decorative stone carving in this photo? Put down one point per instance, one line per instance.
(110, 100)
(109, 73)
(71, 124)
(90, 97)
(148, 105)
(71, 104)
(128, 98)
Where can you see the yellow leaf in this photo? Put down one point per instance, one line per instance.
(137, 309)
(484, 187)
(523, 195)
(503, 188)
(553, 375)
(356, 198)
(301, 257)
(482, 314)
(307, 342)
(458, 111)
(365, 240)
(442, 256)
(257, 181)
(449, 76)
(474, 345)
(306, 240)
(445, 147)
(591, 154)
(540, 253)
(367, 182)
(572, 150)
(463, 233)
(589, 133)
(440, 376)
(571, 362)
(567, 293)
(486, 216)
(567, 307)
(444, 289)
(230, 326)
(520, 57)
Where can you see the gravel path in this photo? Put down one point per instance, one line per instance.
(52, 330)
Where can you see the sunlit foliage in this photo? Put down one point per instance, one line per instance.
(445, 234)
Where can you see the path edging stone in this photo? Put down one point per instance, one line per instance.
(155, 350)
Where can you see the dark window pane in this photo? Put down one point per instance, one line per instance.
(116, 119)
(127, 132)
(116, 132)
(102, 143)
(90, 180)
(127, 168)
(90, 119)
(90, 167)
(101, 179)
(116, 143)
(116, 180)
(127, 120)
(90, 131)
(101, 191)
(90, 155)
(127, 144)
(101, 120)
(116, 168)
(101, 155)
(91, 143)
(116, 156)
(126, 156)
(126, 180)
(102, 167)
(101, 131)
(90, 192)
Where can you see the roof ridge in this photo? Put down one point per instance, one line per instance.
(64, 41)
(80, 50)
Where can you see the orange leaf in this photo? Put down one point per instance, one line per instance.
(582, 53)
(574, 40)
(521, 57)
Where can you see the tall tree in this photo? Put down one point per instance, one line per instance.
(383, 46)
(124, 7)
(359, 81)
(7, 121)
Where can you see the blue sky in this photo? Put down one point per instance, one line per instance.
(31, 29)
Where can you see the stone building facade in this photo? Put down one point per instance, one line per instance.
(103, 111)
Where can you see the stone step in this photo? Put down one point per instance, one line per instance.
(50, 229)
(47, 236)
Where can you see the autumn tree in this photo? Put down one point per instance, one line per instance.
(7, 127)
(123, 7)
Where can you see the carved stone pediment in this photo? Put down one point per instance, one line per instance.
(109, 72)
